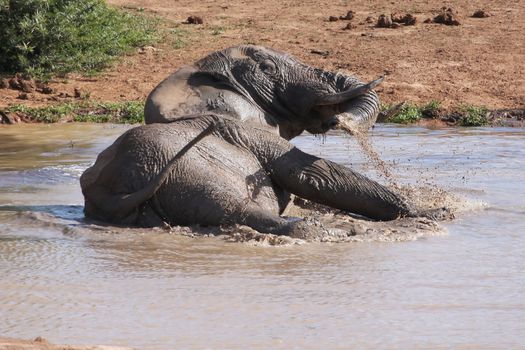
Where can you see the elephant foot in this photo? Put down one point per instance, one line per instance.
(265, 222)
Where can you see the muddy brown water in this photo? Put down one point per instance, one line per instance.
(74, 282)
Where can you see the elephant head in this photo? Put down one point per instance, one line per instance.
(265, 86)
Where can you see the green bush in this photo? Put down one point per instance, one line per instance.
(474, 116)
(409, 113)
(431, 109)
(43, 37)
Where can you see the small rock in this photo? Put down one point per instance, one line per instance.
(323, 53)
(447, 17)
(395, 25)
(384, 22)
(406, 19)
(349, 16)
(398, 18)
(194, 20)
(409, 20)
(333, 19)
(46, 89)
(428, 20)
(14, 83)
(147, 49)
(77, 93)
(349, 26)
(4, 83)
(9, 118)
(27, 85)
(481, 14)
(369, 19)
(40, 340)
(23, 96)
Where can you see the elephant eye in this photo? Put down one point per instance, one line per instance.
(268, 67)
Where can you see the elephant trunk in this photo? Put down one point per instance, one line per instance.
(353, 106)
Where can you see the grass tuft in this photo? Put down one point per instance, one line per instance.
(218, 30)
(177, 37)
(474, 116)
(49, 37)
(409, 113)
(129, 112)
(49, 114)
(431, 109)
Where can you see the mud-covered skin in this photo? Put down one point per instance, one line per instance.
(253, 173)
(264, 87)
(216, 149)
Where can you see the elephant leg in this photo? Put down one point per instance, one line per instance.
(262, 220)
(266, 222)
(339, 187)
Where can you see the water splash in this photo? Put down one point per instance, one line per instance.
(364, 142)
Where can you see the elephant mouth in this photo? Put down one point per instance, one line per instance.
(345, 123)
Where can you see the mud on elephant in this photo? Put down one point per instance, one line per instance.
(217, 152)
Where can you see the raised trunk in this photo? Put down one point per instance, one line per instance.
(361, 110)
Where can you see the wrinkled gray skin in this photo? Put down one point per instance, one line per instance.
(213, 155)
(262, 87)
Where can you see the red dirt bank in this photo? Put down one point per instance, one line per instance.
(479, 62)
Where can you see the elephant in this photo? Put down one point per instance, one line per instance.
(215, 148)
(265, 87)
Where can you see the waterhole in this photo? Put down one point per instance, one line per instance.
(72, 282)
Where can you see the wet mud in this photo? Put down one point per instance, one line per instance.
(40, 343)
(326, 226)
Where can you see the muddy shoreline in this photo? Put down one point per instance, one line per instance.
(76, 105)
(514, 117)
(40, 343)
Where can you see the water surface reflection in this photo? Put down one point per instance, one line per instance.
(152, 290)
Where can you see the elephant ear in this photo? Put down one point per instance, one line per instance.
(172, 98)
(191, 89)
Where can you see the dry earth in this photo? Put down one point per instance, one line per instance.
(479, 62)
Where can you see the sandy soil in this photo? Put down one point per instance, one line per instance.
(42, 344)
(478, 62)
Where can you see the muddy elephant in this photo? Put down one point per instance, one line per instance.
(216, 151)
(264, 87)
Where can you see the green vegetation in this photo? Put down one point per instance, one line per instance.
(463, 116)
(50, 114)
(474, 116)
(178, 38)
(45, 37)
(218, 30)
(409, 113)
(431, 109)
(130, 112)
